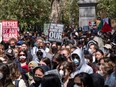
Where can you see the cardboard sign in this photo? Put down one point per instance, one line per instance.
(55, 32)
(9, 30)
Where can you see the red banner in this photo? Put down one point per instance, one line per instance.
(9, 30)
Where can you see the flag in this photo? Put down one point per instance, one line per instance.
(106, 28)
(105, 25)
(100, 25)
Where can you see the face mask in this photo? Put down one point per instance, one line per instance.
(22, 57)
(76, 61)
(61, 57)
(37, 79)
(87, 61)
(54, 49)
(31, 71)
(90, 51)
(1, 75)
(76, 86)
(12, 47)
(61, 72)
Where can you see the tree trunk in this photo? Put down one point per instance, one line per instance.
(56, 11)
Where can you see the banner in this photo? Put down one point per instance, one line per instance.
(0, 32)
(9, 30)
(55, 32)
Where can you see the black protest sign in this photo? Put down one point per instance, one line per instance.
(55, 32)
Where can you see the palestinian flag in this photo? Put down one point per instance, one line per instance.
(105, 25)
(100, 25)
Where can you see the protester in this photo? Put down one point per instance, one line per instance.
(51, 80)
(31, 65)
(83, 80)
(12, 43)
(78, 58)
(16, 77)
(65, 69)
(5, 80)
(38, 73)
(98, 80)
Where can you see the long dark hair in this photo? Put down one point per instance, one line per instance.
(51, 80)
(86, 79)
(14, 73)
(6, 80)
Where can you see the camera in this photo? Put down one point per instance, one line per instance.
(61, 58)
(39, 54)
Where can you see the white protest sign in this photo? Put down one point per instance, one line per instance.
(55, 32)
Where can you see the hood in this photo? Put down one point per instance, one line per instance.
(91, 42)
(33, 63)
(79, 52)
(99, 40)
(54, 71)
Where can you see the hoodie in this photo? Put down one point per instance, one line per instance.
(83, 67)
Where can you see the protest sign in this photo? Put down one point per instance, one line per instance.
(9, 30)
(55, 32)
(0, 32)
(46, 27)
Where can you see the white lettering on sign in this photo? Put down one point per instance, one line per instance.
(9, 30)
(55, 32)
(55, 35)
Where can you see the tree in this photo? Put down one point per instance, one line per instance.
(106, 8)
(28, 13)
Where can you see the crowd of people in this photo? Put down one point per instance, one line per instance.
(82, 59)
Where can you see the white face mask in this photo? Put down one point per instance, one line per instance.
(76, 86)
(1, 75)
(61, 72)
(90, 51)
(76, 61)
(22, 57)
(87, 61)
